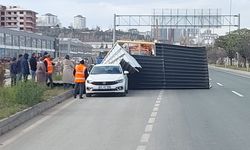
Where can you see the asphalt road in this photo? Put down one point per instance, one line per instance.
(214, 119)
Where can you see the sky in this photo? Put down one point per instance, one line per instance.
(100, 13)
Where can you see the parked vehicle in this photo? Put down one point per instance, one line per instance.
(107, 78)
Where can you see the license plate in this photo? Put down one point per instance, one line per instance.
(104, 87)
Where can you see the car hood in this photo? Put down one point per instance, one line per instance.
(105, 77)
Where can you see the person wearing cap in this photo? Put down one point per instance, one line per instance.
(49, 69)
(19, 68)
(13, 71)
(80, 73)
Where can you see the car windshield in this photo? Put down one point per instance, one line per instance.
(106, 70)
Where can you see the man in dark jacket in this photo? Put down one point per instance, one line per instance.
(13, 71)
(33, 63)
(19, 68)
(25, 67)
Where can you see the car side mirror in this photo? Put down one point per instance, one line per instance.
(126, 72)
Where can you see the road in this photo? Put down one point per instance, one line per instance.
(214, 119)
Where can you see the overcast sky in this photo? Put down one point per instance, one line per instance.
(100, 13)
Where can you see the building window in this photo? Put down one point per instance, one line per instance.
(2, 18)
(28, 42)
(21, 12)
(14, 12)
(15, 40)
(2, 24)
(39, 43)
(21, 17)
(43, 44)
(8, 39)
(1, 38)
(22, 41)
(15, 18)
(34, 43)
(21, 28)
(2, 13)
(21, 23)
(9, 13)
(9, 23)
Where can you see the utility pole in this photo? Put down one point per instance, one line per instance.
(114, 30)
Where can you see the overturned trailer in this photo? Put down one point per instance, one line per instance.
(161, 66)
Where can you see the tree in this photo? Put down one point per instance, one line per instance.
(243, 43)
(228, 43)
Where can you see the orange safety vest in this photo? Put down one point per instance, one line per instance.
(80, 73)
(50, 66)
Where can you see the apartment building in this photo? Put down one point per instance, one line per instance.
(17, 18)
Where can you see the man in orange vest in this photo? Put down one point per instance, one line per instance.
(49, 69)
(80, 73)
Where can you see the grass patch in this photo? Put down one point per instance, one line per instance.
(234, 67)
(24, 95)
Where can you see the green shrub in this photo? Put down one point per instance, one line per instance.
(24, 93)
(2, 72)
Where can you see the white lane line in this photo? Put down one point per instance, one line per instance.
(145, 137)
(155, 109)
(158, 102)
(11, 140)
(151, 120)
(240, 95)
(153, 114)
(219, 84)
(149, 128)
(141, 147)
(157, 105)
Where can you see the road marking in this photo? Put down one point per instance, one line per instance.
(149, 128)
(151, 120)
(158, 102)
(153, 114)
(219, 84)
(155, 109)
(240, 95)
(157, 105)
(39, 122)
(141, 147)
(145, 137)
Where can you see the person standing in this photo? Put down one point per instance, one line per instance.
(41, 71)
(49, 69)
(80, 73)
(33, 64)
(68, 68)
(25, 67)
(19, 68)
(13, 71)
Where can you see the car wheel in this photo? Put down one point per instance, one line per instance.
(126, 91)
(123, 94)
(88, 95)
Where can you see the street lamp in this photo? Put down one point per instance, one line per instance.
(230, 9)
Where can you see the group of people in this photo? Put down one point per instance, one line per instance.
(42, 68)
(74, 74)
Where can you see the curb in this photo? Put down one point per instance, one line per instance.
(19, 118)
(240, 72)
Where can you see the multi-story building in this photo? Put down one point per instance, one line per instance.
(79, 22)
(48, 20)
(14, 42)
(18, 18)
(74, 47)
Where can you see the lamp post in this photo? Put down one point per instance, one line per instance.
(230, 9)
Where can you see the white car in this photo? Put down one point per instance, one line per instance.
(107, 78)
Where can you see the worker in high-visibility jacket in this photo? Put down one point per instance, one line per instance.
(80, 73)
(49, 69)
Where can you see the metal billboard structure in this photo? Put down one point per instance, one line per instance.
(178, 18)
